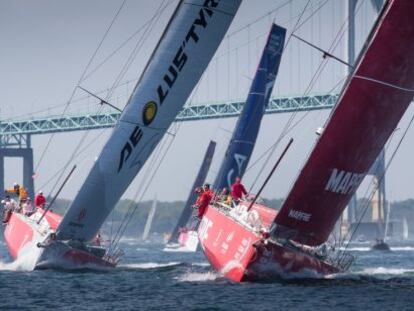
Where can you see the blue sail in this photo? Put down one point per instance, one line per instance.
(247, 128)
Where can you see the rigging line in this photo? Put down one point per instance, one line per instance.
(157, 152)
(312, 14)
(103, 101)
(76, 100)
(290, 129)
(260, 18)
(286, 45)
(318, 72)
(78, 146)
(123, 44)
(384, 83)
(128, 213)
(144, 192)
(224, 53)
(144, 178)
(102, 41)
(381, 178)
(275, 144)
(134, 206)
(137, 48)
(81, 79)
(325, 53)
(84, 136)
(76, 156)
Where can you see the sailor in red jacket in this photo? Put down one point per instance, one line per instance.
(237, 190)
(203, 200)
(40, 200)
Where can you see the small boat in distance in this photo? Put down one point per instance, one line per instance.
(184, 235)
(380, 245)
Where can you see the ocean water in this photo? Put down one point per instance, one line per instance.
(150, 279)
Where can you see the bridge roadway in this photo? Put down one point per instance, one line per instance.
(16, 132)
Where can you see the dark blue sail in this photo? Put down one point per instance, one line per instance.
(247, 128)
(201, 176)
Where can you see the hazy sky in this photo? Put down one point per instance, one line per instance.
(45, 46)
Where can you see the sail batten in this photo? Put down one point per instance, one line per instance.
(184, 51)
(364, 118)
(247, 128)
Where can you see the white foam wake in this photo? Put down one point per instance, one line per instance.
(367, 249)
(26, 261)
(149, 265)
(402, 248)
(356, 249)
(198, 277)
(385, 271)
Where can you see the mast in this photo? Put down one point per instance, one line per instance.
(150, 219)
(201, 176)
(247, 128)
(372, 102)
(190, 40)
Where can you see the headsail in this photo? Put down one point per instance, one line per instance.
(371, 104)
(247, 128)
(201, 176)
(184, 51)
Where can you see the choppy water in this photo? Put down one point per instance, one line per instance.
(150, 279)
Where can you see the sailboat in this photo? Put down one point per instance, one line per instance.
(380, 244)
(405, 229)
(259, 243)
(187, 45)
(184, 237)
(149, 221)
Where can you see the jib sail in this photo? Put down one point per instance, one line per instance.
(247, 128)
(372, 102)
(184, 51)
(201, 176)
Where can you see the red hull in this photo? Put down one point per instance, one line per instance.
(240, 254)
(22, 236)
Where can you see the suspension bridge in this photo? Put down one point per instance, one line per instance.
(16, 134)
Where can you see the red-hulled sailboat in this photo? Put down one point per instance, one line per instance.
(184, 50)
(260, 243)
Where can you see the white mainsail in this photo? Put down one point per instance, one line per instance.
(150, 218)
(184, 51)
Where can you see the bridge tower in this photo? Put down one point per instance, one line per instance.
(18, 146)
(378, 169)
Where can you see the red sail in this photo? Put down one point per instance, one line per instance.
(371, 104)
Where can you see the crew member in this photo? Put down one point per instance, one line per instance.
(225, 197)
(224, 194)
(40, 200)
(11, 204)
(28, 208)
(20, 191)
(7, 209)
(203, 200)
(238, 190)
(98, 240)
